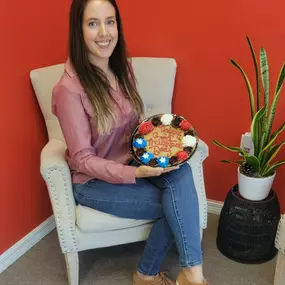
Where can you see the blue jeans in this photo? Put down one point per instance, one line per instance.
(170, 199)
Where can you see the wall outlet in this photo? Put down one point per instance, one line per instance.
(246, 143)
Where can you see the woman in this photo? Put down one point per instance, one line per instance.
(98, 107)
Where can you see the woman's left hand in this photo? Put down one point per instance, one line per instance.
(168, 169)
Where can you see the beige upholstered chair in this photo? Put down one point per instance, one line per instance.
(280, 245)
(81, 228)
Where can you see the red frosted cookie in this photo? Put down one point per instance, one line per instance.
(164, 140)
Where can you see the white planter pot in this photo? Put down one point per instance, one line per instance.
(254, 189)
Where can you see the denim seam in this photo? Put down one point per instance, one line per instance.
(132, 202)
(143, 272)
(191, 264)
(153, 261)
(184, 243)
(166, 245)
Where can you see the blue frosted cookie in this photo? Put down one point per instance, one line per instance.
(146, 157)
(139, 143)
(162, 161)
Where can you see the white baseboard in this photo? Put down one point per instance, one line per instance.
(26, 243)
(31, 239)
(215, 207)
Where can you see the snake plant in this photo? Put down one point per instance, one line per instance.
(262, 117)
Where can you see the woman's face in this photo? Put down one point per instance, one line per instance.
(100, 30)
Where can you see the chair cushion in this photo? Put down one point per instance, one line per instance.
(89, 220)
(155, 82)
(43, 81)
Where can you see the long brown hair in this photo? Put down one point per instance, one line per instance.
(92, 78)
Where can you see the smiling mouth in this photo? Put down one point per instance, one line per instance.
(103, 44)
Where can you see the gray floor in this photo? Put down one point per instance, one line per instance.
(44, 264)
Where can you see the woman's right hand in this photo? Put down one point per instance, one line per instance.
(148, 171)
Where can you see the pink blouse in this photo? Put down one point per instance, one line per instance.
(89, 154)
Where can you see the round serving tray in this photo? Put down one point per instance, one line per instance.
(171, 129)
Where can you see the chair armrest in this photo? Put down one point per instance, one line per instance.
(196, 163)
(203, 147)
(56, 173)
(280, 235)
(200, 155)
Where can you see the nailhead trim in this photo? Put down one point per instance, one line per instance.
(57, 209)
(277, 239)
(202, 191)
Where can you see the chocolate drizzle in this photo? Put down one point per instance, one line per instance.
(190, 133)
(140, 152)
(152, 162)
(188, 149)
(175, 123)
(138, 136)
(156, 121)
(173, 160)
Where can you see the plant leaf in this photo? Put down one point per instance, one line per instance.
(274, 103)
(280, 130)
(262, 143)
(265, 83)
(271, 141)
(280, 79)
(239, 162)
(230, 148)
(265, 79)
(253, 162)
(256, 72)
(255, 130)
(257, 78)
(270, 155)
(272, 168)
(267, 147)
(271, 116)
(249, 88)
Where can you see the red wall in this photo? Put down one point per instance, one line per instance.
(209, 91)
(33, 35)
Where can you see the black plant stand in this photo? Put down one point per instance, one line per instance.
(247, 229)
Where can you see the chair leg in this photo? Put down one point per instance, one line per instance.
(72, 267)
(279, 278)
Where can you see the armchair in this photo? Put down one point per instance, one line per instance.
(81, 228)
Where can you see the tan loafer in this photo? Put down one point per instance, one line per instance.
(182, 280)
(160, 279)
